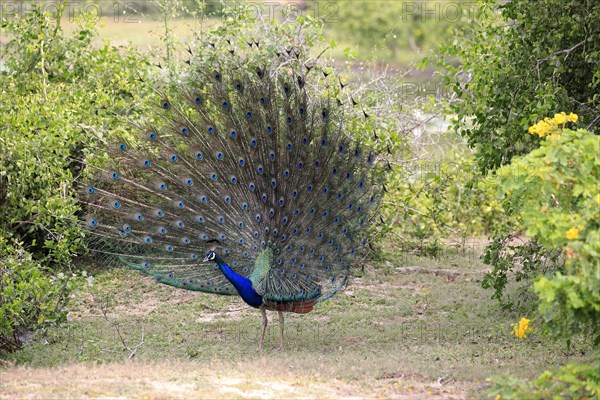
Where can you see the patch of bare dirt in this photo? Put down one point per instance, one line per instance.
(149, 299)
(233, 312)
(136, 380)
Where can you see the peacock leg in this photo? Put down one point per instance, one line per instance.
(264, 327)
(281, 326)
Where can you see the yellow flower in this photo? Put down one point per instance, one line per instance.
(544, 209)
(572, 233)
(551, 125)
(520, 329)
(598, 199)
(543, 127)
(560, 119)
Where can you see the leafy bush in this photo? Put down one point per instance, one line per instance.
(430, 201)
(55, 100)
(553, 190)
(29, 298)
(510, 258)
(520, 61)
(569, 382)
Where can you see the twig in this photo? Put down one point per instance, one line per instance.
(132, 351)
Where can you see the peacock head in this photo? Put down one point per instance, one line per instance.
(211, 254)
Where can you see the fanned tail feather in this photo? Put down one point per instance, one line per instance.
(254, 155)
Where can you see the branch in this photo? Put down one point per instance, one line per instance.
(135, 349)
(132, 351)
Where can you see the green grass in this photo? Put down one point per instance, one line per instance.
(387, 331)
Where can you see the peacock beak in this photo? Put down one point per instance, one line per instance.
(206, 259)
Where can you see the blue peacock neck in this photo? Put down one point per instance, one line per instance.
(242, 284)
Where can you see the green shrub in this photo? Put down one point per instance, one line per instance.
(511, 259)
(29, 298)
(59, 99)
(444, 200)
(553, 190)
(569, 382)
(555, 193)
(520, 61)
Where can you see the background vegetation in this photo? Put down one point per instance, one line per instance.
(485, 173)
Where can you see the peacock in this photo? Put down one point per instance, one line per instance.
(242, 180)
